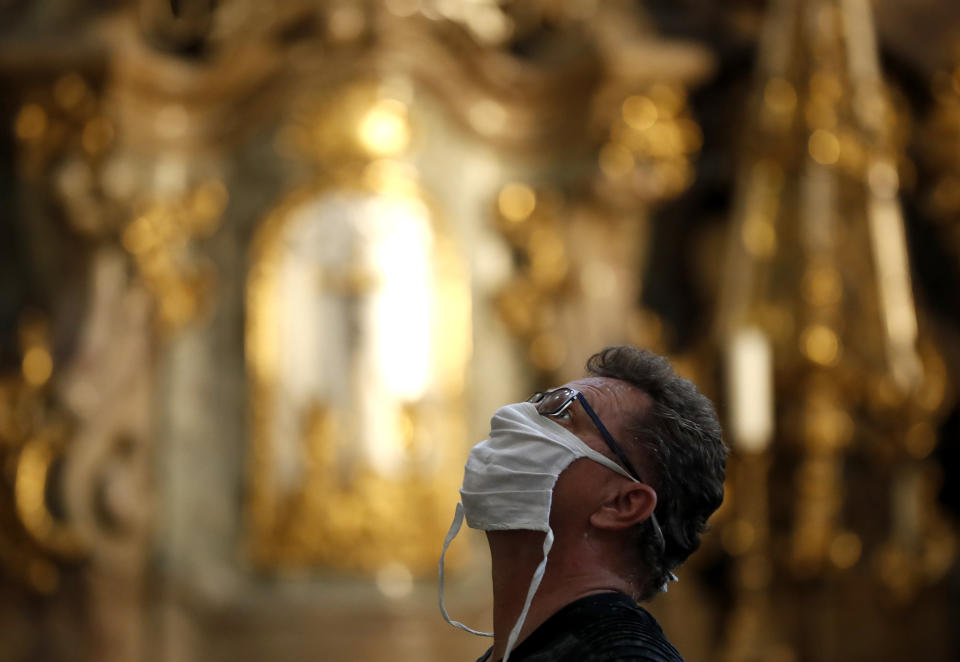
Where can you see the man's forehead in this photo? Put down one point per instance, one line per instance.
(617, 392)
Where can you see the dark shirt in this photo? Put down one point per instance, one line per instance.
(606, 627)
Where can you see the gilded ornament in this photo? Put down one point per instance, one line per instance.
(818, 264)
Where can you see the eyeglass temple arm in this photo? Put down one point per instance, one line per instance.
(607, 437)
(615, 447)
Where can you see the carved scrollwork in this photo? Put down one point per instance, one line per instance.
(108, 385)
(35, 431)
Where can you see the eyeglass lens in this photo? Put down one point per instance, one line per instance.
(553, 402)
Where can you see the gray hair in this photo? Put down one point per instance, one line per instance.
(681, 439)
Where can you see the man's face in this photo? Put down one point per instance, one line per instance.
(584, 482)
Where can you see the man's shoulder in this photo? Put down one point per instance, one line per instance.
(599, 628)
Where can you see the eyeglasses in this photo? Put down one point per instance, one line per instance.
(556, 402)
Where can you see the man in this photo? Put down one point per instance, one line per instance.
(591, 494)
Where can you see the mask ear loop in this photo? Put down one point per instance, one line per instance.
(451, 534)
(534, 585)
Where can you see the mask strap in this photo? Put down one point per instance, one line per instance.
(534, 585)
(451, 534)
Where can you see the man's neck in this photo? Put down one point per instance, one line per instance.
(572, 573)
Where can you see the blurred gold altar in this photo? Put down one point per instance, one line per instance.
(267, 268)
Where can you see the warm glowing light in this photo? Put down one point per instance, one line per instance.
(548, 257)
(494, 263)
(598, 279)
(31, 122)
(827, 426)
(489, 25)
(452, 329)
(403, 305)
(615, 160)
(883, 179)
(779, 96)
(821, 114)
(518, 306)
(487, 117)
(395, 580)
(83, 396)
(750, 387)
(668, 98)
(363, 262)
(820, 344)
(516, 202)
(824, 147)
(384, 129)
(932, 391)
(346, 22)
(665, 140)
(826, 85)
(37, 366)
(97, 135)
(639, 112)
(139, 235)
(403, 8)
(69, 91)
(172, 120)
(757, 232)
(777, 320)
(889, 243)
(177, 306)
(852, 154)
(822, 286)
(393, 177)
(845, 550)
(759, 237)
(207, 204)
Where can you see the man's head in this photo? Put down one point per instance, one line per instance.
(592, 467)
(672, 440)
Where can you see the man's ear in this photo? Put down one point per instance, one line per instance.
(628, 506)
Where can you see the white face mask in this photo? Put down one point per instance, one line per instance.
(508, 484)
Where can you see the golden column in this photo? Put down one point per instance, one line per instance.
(833, 386)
